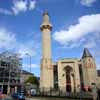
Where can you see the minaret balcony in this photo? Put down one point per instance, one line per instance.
(46, 27)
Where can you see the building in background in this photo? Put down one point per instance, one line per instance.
(30, 82)
(69, 75)
(25, 75)
(10, 69)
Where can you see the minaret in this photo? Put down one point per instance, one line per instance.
(89, 69)
(46, 78)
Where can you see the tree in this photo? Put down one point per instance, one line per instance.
(32, 80)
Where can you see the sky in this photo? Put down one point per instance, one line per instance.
(76, 25)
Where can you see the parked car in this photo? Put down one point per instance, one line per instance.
(33, 92)
(15, 95)
(20, 95)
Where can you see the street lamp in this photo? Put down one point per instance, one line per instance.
(9, 65)
(30, 63)
(29, 59)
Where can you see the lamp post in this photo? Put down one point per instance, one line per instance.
(29, 59)
(8, 92)
(30, 67)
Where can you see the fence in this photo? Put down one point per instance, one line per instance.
(60, 93)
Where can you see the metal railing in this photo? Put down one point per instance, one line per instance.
(60, 93)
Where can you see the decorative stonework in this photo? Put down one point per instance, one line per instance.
(46, 27)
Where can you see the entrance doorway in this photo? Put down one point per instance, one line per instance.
(68, 71)
(68, 83)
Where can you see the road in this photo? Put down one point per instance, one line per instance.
(40, 98)
(43, 98)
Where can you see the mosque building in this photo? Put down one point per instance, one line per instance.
(69, 74)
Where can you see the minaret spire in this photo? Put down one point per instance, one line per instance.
(46, 78)
(46, 21)
(46, 28)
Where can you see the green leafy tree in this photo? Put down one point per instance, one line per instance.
(32, 80)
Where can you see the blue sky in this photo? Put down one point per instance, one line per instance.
(76, 24)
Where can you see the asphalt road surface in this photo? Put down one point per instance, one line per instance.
(43, 98)
(40, 98)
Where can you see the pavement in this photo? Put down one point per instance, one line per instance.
(5, 97)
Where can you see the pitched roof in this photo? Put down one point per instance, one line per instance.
(86, 53)
(26, 72)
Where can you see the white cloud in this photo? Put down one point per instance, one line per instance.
(32, 5)
(90, 44)
(89, 24)
(5, 11)
(98, 65)
(23, 50)
(22, 6)
(7, 39)
(87, 3)
(19, 6)
(27, 66)
(34, 65)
